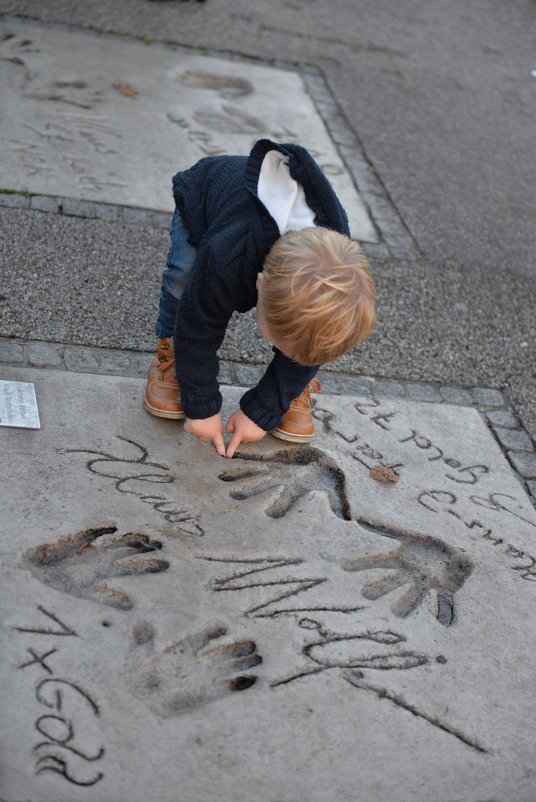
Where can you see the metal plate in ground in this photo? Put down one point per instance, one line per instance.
(18, 405)
(281, 626)
(69, 132)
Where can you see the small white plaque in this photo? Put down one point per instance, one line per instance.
(18, 405)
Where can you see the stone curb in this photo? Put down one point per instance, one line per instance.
(110, 213)
(396, 240)
(71, 207)
(498, 415)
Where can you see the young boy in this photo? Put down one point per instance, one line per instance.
(266, 231)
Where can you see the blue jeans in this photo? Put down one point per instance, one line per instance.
(179, 262)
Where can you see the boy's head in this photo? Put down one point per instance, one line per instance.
(316, 295)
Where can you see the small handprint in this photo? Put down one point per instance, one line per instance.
(189, 673)
(425, 564)
(80, 564)
(297, 472)
(227, 86)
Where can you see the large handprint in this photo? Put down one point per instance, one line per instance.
(296, 472)
(79, 564)
(189, 673)
(424, 564)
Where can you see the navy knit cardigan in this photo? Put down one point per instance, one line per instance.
(233, 232)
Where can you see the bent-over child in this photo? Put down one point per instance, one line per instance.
(265, 231)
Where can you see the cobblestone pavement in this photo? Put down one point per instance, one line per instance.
(493, 405)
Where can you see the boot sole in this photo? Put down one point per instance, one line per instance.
(292, 438)
(159, 413)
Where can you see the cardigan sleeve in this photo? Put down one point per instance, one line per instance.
(205, 309)
(283, 381)
(202, 319)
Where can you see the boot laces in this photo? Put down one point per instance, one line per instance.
(304, 399)
(166, 364)
(166, 357)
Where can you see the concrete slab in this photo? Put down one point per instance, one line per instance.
(281, 626)
(104, 119)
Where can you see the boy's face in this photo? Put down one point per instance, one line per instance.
(285, 348)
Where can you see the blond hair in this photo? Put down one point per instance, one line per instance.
(317, 294)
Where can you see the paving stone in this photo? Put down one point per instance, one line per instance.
(162, 606)
(391, 228)
(247, 375)
(375, 252)
(135, 217)
(105, 212)
(78, 208)
(42, 203)
(43, 356)
(79, 359)
(197, 105)
(339, 130)
(380, 206)
(114, 362)
(503, 418)
(456, 395)
(388, 389)
(348, 385)
(140, 364)
(403, 251)
(11, 353)
(225, 375)
(14, 201)
(161, 221)
(423, 392)
(488, 397)
(514, 440)
(524, 463)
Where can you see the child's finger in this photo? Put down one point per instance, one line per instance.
(220, 445)
(233, 445)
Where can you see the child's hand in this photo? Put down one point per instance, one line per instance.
(244, 431)
(207, 429)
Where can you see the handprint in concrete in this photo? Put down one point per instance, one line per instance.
(81, 564)
(424, 564)
(191, 672)
(228, 87)
(295, 473)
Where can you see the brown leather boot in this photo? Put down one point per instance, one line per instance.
(297, 425)
(162, 394)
